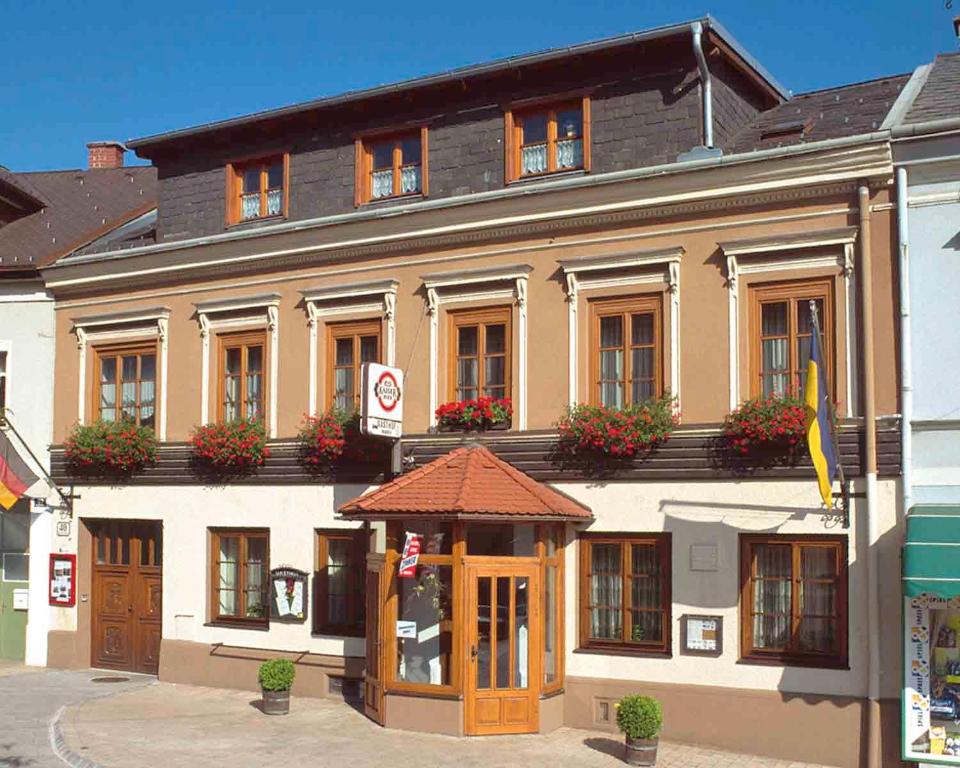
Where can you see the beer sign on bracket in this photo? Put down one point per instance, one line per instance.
(381, 405)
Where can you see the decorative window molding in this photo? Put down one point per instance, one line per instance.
(131, 325)
(489, 284)
(239, 313)
(792, 251)
(375, 297)
(633, 268)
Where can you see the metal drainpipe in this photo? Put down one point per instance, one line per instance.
(706, 83)
(873, 529)
(906, 344)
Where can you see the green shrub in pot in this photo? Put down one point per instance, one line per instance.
(276, 680)
(640, 719)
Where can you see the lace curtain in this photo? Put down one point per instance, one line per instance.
(606, 591)
(382, 184)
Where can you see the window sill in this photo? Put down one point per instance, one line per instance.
(621, 651)
(336, 634)
(760, 661)
(252, 223)
(385, 201)
(259, 626)
(548, 177)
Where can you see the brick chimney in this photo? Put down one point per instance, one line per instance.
(105, 154)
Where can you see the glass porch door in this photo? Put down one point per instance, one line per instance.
(503, 639)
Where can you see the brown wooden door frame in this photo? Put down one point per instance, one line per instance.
(373, 694)
(127, 596)
(510, 709)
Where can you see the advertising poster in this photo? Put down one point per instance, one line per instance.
(931, 695)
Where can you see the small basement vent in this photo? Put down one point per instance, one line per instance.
(348, 688)
(602, 711)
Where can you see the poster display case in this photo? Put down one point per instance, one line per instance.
(931, 697)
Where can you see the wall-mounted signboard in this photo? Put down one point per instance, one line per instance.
(701, 635)
(288, 595)
(381, 405)
(63, 580)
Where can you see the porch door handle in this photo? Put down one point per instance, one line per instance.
(474, 652)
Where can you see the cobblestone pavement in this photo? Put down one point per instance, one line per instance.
(176, 725)
(30, 697)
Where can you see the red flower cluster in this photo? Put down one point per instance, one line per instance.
(621, 433)
(322, 439)
(122, 446)
(766, 422)
(335, 435)
(482, 413)
(237, 445)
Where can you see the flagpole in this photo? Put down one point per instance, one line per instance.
(5, 423)
(815, 320)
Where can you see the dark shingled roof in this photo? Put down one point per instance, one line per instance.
(75, 208)
(940, 96)
(829, 114)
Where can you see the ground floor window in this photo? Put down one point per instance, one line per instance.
(625, 591)
(339, 603)
(794, 599)
(425, 603)
(240, 560)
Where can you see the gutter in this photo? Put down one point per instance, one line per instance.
(927, 128)
(514, 190)
(906, 344)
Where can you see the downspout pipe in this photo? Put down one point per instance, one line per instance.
(874, 756)
(906, 343)
(706, 83)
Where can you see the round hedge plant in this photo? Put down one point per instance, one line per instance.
(639, 717)
(277, 675)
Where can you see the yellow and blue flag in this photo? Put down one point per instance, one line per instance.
(816, 399)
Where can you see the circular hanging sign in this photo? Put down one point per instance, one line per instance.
(387, 391)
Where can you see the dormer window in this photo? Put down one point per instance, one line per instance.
(391, 166)
(257, 189)
(548, 139)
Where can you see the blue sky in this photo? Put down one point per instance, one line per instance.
(77, 72)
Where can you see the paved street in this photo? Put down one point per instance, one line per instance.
(175, 725)
(29, 698)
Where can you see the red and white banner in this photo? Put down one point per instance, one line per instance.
(409, 556)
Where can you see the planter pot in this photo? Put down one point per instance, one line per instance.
(641, 751)
(276, 702)
(500, 426)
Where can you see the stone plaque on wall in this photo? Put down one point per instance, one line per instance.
(704, 557)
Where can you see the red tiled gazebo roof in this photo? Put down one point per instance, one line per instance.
(468, 483)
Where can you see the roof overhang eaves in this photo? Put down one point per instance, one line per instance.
(461, 74)
(480, 517)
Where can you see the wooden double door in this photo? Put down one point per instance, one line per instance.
(503, 641)
(127, 595)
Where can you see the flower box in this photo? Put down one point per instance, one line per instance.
(336, 436)
(766, 427)
(484, 413)
(618, 433)
(110, 446)
(238, 446)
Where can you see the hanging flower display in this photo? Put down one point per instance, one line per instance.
(766, 423)
(118, 446)
(619, 433)
(238, 445)
(479, 414)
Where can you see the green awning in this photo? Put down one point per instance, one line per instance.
(931, 554)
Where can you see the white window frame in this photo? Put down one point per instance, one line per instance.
(791, 251)
(6, 348)
(133, 325)
(259, 311)
(370, 299)
(479, 285)
(594, 273)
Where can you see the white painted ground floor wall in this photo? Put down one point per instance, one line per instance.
(695, 513)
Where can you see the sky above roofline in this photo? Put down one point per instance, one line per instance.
(117, 70)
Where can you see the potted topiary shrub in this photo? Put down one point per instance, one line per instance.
(639, 719)
(276, 680)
